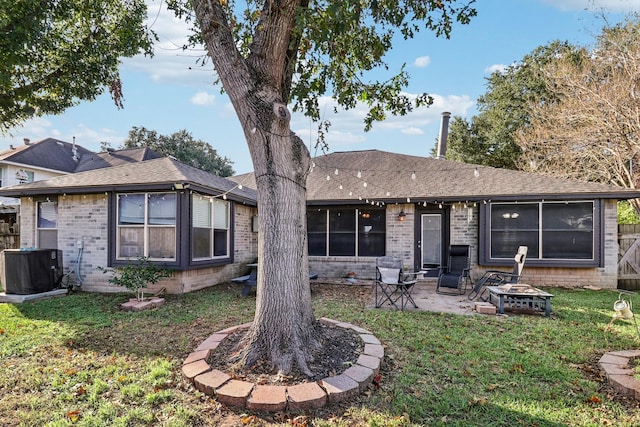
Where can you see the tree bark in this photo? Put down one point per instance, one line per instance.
(284, 327)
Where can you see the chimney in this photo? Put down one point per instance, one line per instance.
(27, 141)
(74, 150)
(444, 134)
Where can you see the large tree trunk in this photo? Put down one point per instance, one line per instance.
(284, 328)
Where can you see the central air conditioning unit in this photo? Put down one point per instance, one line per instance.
(34, 271)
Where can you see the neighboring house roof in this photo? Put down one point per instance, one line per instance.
(114, 158)
(156, 174)
(50, 153)
(389, 177)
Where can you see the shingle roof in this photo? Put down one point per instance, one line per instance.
(114, 158)
(156, 174)
(48, 153)
(389, 177)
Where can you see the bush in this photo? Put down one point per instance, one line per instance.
(138, 275)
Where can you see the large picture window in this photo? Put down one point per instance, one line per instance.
(47, 224)
(147, 226)
(551, 230)
(210, 233)
(346, 231)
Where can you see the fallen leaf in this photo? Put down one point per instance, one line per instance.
(595, 399)
(73, 415)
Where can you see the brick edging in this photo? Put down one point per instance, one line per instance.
(310, 395)
(615, 365)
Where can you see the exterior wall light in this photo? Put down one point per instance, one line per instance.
(402, 215)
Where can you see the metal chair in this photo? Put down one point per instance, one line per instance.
(392, 285)
(495, 277)
(455, 276)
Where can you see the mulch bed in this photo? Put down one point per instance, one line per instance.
(340, 350)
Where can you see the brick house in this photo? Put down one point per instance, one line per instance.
(361, 205)
(196, 223)
(365, 204)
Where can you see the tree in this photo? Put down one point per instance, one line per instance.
(592, 129)
(55, 54)
(183, 147)
(489, 139)
(329, 46)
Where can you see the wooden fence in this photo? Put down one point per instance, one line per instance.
(629, 257)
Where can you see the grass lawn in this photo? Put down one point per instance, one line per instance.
(81, 361)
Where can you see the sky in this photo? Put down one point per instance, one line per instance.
(170, 92)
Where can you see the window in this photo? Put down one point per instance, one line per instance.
(346, 231)
(147, 226)
(47, 224)
(23, 176)
(551, 230)
(210, 228)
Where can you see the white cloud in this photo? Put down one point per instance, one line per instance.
(621, 6)
(422, 61)
(495, 67)
(203, 99)
(412, 131)
(39, 128)
(170, 62)
(347, 127)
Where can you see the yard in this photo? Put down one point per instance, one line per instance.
(80, 360)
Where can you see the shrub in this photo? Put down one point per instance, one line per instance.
(137, 275)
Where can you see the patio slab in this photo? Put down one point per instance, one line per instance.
(425, 296)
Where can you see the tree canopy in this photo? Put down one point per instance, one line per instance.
(184, 147)
(592, 129)
(55, 54)
(489, 138)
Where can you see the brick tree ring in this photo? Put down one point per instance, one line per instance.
(270, 398)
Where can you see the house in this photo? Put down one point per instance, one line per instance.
(35, 161)
(361, 205)
(188, 220)
(365, 204)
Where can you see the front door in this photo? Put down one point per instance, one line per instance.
(431, 238)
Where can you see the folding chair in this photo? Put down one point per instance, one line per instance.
(495, 277)
(392, 285)
(455, 276)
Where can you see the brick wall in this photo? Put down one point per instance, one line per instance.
(83, 218)
(605, 277)
(464, 231)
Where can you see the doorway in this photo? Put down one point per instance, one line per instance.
(431, 237)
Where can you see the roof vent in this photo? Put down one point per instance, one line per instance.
(27, 141)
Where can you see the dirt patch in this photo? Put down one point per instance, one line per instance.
(340, 349)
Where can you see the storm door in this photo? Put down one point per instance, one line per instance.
(430, 239)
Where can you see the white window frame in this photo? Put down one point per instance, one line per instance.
(213, 225)
(145, 226)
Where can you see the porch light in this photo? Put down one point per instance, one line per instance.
(401, 215)
(181, 186)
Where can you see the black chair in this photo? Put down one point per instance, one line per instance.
(455, 276)
(495, 277)
(392, 285)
